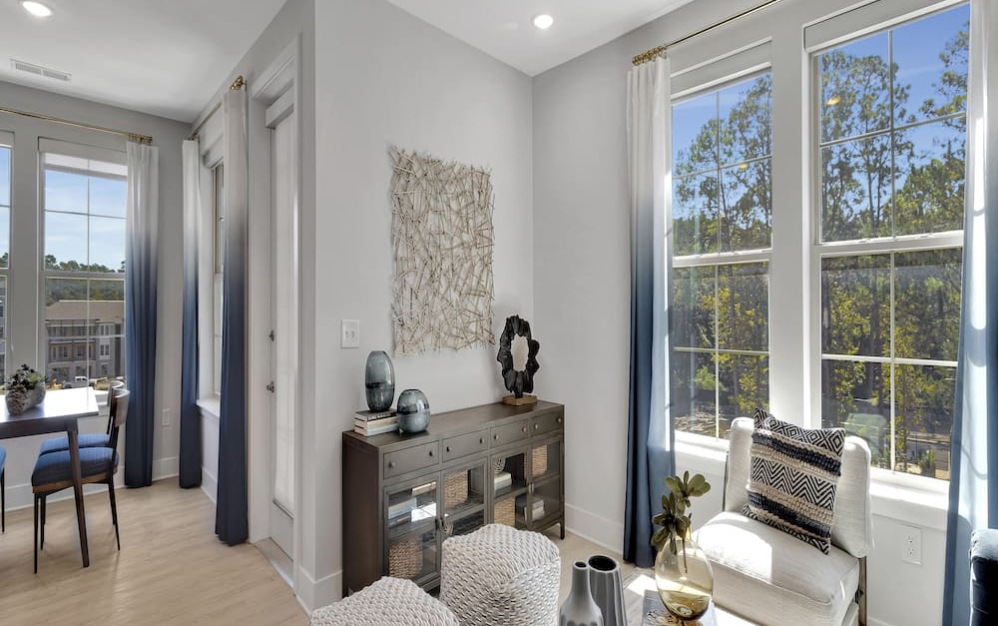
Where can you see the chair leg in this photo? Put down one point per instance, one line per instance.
(42, 545)
(36, 533)
(114, 511)
(3, 501)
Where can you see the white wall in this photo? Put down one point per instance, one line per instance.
(382, 78)
(167, 134)
(581, 273)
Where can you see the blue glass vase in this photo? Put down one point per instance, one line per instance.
(414, 411)
(379, 381)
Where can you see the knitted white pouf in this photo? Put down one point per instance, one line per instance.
(500, 576)
(388, 602)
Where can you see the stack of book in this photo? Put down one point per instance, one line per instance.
(503, 482)
(401, 512)
(370, 423)
(537, 507)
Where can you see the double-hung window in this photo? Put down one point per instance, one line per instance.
(720, 252)
(83, 274)
(6, 142)
(890, 155)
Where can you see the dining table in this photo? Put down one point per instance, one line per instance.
(60, 411)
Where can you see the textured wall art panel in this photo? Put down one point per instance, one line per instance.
(442, 239)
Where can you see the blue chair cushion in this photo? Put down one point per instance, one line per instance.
(97, 440)
(984, 576)
(3, 456)
(54, 467)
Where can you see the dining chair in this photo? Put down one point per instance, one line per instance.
(89, 440)
(53, 471)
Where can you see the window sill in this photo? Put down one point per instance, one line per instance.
(919, 501)
(210, 407)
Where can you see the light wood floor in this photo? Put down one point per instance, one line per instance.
(171, 568)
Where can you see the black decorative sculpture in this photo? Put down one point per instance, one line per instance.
(518, 381)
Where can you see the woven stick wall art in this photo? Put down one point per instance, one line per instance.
(442, 239)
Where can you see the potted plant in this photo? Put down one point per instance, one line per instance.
(24, 389)
(682, 572)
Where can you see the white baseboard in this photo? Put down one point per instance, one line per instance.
(594, 528)
(21, 496)
(165, 468)
(209, 484)
(313, 594)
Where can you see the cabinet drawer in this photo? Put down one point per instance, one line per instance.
(546, 423)
(501, 435)
(463, 445)
(410, 459)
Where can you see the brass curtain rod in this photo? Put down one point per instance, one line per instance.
(654, 53)
(236, 85)
(58, 120)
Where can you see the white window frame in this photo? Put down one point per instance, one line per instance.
(90, 333)
(868, 20)
(6, 142)
(688, 83)
(209, 278)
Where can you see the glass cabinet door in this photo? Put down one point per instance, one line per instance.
(412, 530)
(545, 485)
(465, 493)
(509, 484)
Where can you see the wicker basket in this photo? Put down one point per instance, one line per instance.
(540, 461)
(506, 512)
(455, 490)
(405, 558)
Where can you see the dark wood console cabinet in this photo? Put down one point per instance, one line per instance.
(403, 495)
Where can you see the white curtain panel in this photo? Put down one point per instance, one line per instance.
(650, 438)
(141, 295)
(190, 424)
(973, 486)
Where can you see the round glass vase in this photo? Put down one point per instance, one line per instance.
(684, 578)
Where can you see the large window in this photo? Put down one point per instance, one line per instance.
(721, 240)
(5, 203)
(891, 153)
(83, 310)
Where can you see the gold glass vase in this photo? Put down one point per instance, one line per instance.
(684, 578)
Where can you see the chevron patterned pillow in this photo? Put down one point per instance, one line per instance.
(794, 475)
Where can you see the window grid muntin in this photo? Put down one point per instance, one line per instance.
(891, 245)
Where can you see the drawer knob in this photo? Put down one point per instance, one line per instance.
(523, 430)
(447, 449)
(496, 437)
(431, 452)
(481, 441)
(559, 420)
(536, 426)
(391, 464)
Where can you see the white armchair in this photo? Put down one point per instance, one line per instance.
(774, 579)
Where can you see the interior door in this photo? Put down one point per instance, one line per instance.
(285, 333)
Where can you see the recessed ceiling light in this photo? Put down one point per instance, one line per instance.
(543, 21)
(36, 8)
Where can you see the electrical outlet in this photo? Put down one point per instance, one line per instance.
(350, 334)
(911, 545)
(167, 417)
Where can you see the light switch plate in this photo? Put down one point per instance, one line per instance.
(350, 334)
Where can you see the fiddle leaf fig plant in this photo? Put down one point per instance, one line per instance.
(675, 523)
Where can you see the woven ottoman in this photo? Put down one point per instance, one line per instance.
(500, 576)
(388, 602)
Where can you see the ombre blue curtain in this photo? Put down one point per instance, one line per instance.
(142, 263)
(650, 436)
(973, 496)
(190, 414)
(231, 510)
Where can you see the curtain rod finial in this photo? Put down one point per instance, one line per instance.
(238, 84)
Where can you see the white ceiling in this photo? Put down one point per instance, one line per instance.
(164, 57)
(504, 28)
